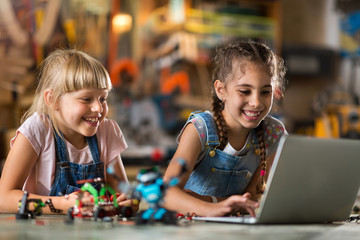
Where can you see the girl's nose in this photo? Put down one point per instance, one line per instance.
(97, 107)
(255, 100)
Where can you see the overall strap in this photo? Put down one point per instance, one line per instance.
(61, 150)
(94, 149)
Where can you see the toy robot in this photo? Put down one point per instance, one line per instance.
(152, 188)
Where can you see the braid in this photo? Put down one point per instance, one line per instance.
(222, 128)
(260, 136)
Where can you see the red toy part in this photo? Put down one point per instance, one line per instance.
(157, 155)
(112, 196)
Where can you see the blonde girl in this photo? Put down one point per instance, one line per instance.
(65, 135)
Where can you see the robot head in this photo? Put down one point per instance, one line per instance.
(148, 176)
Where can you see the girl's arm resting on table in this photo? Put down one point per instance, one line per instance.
(20, 161)
(236, 209)
(181, 202)
(120, 172)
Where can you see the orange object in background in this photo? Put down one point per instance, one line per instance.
(121, 65)
(341, 121)
(169, 82)
(327, 126)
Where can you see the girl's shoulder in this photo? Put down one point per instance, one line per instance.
(203, 114)
(38, 130)
(37, 122)
(201, 120)
(110, 135)
(274, 126)
(274, 129)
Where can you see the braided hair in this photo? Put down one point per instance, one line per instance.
(222, 64)
(260, 187)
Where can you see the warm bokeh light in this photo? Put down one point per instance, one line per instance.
(122, 23)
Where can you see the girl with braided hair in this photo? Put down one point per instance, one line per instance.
(229, 151)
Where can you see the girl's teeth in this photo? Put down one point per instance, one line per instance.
(92, 120)
(252, 114)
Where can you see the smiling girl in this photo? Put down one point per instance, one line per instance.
(65, 135)
(229, 151)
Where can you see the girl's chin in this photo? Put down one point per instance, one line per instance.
(251, 123)
(89, 132)
(250, 126)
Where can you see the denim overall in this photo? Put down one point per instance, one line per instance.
(68, 173)
(218, 173)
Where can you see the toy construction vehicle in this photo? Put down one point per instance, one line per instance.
(91, 204)
(24, 211)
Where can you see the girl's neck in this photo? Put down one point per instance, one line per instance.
(237, 134)
(238, 137)
(77, 140)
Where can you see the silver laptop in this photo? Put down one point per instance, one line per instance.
(312, 180)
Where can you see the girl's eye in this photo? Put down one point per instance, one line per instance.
(267, 92)
(102, 100)
(86, 99)
(245, 92)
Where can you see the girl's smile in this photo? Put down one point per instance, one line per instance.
(92, 121)
(251, 115)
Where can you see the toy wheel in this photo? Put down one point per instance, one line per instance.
(139, 220)
(126, 212)
(21, 216)
(99, 213)
(38, 212)
(70, 213)
(169, 218)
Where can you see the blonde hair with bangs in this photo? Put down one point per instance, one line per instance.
(63, 71)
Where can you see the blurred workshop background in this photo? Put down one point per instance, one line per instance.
(157, 53)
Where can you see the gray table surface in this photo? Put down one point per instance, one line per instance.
(56, 227)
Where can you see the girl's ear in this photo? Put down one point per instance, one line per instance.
(219, 89)
(49, 98)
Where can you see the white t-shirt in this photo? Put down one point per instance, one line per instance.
(38, 130)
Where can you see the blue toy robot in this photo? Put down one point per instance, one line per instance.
(151, 188)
